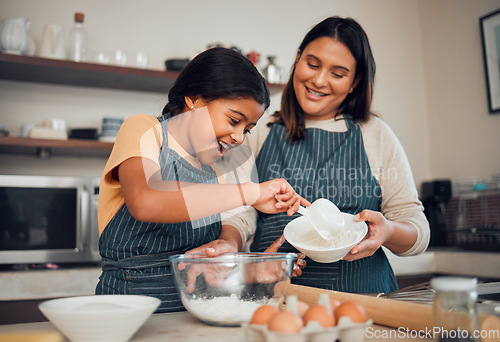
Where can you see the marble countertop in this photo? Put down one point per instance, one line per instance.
(183, 327)
(27, 285)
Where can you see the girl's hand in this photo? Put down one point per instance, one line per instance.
(276, 196)
(299, 264)
(379, 230)
(214, 274)
(215, 248)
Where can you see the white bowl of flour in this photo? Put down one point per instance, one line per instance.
(301, 235)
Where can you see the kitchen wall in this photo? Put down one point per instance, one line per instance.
(430, 84)
(463, 137)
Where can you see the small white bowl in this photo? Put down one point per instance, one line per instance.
(106, 318)
(295, 230)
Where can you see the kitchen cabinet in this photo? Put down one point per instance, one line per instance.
(63, 72)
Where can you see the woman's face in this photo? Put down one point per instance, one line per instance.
(220, 125)
(324, 76)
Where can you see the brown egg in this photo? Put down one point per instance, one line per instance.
(320, 314)
(263, 314)
(352, 310)
(286, 321)
(302, 308)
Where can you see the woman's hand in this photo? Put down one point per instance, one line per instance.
(299, 263)
(276, 196)
(272, 272)
(398, 237)
(379, 230)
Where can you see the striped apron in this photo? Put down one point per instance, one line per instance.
(135, 254)
(330, 165)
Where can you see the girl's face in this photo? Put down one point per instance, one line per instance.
(221, 125)
(324, 76)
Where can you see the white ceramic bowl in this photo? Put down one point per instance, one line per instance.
(297, 228)
(227, 289)
(106, 318)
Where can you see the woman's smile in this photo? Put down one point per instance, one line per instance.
(323, 78)
(314, 93)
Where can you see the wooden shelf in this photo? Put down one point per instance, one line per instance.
(49, 147)
(54, 71)
(63, 72)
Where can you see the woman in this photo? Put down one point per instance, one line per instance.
(327, 144)
(159, 192)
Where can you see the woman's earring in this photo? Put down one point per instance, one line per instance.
(192, 107)
(350, 90)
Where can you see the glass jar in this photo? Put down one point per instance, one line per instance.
(455, 309)
(78, 39)
(272, 72)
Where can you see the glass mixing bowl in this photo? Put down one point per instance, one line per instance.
(227, 289)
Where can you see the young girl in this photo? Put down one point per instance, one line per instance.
(159, 192)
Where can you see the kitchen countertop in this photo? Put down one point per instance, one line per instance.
(183, 327)
(25, 285)
(446, 260)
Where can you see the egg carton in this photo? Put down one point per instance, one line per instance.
(344, 331)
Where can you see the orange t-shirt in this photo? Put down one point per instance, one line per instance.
(139, 136)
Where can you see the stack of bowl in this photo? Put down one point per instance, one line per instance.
(110, 128)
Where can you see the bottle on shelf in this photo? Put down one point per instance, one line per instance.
(272, 72)
(78, 39)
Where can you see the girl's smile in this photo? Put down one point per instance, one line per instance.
(219, 125)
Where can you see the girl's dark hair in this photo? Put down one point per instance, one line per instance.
(217, 73)
(358, 103)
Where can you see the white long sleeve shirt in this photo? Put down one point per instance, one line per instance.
(387, 160)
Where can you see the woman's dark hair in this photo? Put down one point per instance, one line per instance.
(357, 104)
(214, 74)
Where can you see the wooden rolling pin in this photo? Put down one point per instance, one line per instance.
(31, 336)
(383, 311)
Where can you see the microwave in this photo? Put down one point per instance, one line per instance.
(48, 219)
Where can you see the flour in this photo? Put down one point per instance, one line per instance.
(223, 310)
(311, 240)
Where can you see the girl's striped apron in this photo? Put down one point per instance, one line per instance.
(135, 254)
(330, 165)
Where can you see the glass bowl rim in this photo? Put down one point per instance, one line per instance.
(243, 257)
